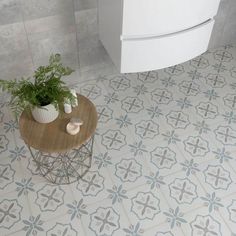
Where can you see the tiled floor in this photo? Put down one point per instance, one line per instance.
(164, 159)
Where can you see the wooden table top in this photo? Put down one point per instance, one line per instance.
(52, 137)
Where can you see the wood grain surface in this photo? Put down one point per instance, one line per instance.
(52, 137)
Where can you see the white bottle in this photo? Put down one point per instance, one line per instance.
(67, 108)
(73, 92)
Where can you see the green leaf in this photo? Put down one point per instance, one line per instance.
(46, 88)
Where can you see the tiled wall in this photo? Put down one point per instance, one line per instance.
(224, 31)
(30, 30)
(91, 52)
(14, 49)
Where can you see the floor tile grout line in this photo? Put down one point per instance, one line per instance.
(121, 204)
(226, 223)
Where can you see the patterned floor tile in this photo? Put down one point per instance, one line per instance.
(105, 218)
(48, 200)
(146, 204)
(128, 170)
(217, 177)
(163, 160)
(93, 187)
(227, 211)
(65, 225)
(164, 229)
(13, 209)
(183, 189)
(204, 221)
(10, 165)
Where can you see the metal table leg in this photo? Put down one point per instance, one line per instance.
(64, 168)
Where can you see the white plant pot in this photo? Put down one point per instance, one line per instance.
(45, 114)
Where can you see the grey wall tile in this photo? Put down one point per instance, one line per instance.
(46, 43)
(90, 50)
(68, 59)
(48, 27)
(216, 37)
(73, 78)
(92, 53)
(64, 23)
(14, 58)
(86, 23)
(17, 68)
(229, 33)
(33, 9)
(81, 5)
(10, 11)
(89, 42)
(224, 29)
(12, 38)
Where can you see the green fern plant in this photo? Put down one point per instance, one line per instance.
(47, 88)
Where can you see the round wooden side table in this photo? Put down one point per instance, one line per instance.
(60, 157)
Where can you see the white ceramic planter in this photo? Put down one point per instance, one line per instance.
(45, 114)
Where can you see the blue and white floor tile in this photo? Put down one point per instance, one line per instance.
(164, 160)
